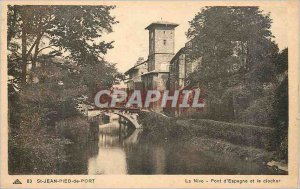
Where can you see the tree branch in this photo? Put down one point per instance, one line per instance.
(46, 48)
(31, 48)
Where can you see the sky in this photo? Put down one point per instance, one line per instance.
(131, 38)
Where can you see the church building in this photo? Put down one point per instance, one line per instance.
(161, 51)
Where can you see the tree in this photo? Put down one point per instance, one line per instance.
(72, 30)
(99, 77)
(55, 56)
(237, 51)
(73, 33)
(281, 62)
(281, 105)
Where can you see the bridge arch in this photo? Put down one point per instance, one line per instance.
(131, 118)
(124, 112)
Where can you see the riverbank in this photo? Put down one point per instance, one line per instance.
(246, 142)
(46, 150)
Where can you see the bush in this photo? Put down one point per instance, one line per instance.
(75, 129)
(281, 120)
(34, 151)
(156, 127)
(260, 112)
(229, 149)
(166, 128)
(249, 135)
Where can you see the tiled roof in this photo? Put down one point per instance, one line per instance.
(136, 65)
(165, 23)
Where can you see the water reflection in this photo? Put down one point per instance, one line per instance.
(108, 161)
(111, 157)
(120, 151)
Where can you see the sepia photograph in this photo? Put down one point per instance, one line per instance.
(147, 89)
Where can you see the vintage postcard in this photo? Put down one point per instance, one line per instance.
(149, 94)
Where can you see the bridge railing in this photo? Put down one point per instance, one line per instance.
(96, 118)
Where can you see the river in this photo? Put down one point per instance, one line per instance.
(121, 150)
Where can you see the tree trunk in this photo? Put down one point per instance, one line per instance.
(36, 51)
(34, 58)
(24, 57)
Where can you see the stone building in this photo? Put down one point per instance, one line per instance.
(177, 71)
(161, 51)
(181, 66)
(134, 75)
(163, 70)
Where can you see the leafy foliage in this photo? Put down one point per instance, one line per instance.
(55, 58)
(241, 64)
(281, 62)
(281, 106)
(73, 31)
(236, 49)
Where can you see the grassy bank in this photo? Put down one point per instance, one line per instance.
(241, 134)
(243, 152)
(43, 150)
(247, 142)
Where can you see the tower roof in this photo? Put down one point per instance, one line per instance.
(161, 23)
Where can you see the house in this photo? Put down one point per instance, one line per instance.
(163, 70)
(181, 66)
(134, 75)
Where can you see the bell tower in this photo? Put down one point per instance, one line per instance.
(161, 52)
(161, 45)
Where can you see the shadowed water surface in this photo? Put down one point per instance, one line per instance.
(120, 151)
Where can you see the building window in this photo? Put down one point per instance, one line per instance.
(165, 42)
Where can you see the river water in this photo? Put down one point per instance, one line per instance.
(120, 150)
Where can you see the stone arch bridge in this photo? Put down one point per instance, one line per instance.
(127, 114)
